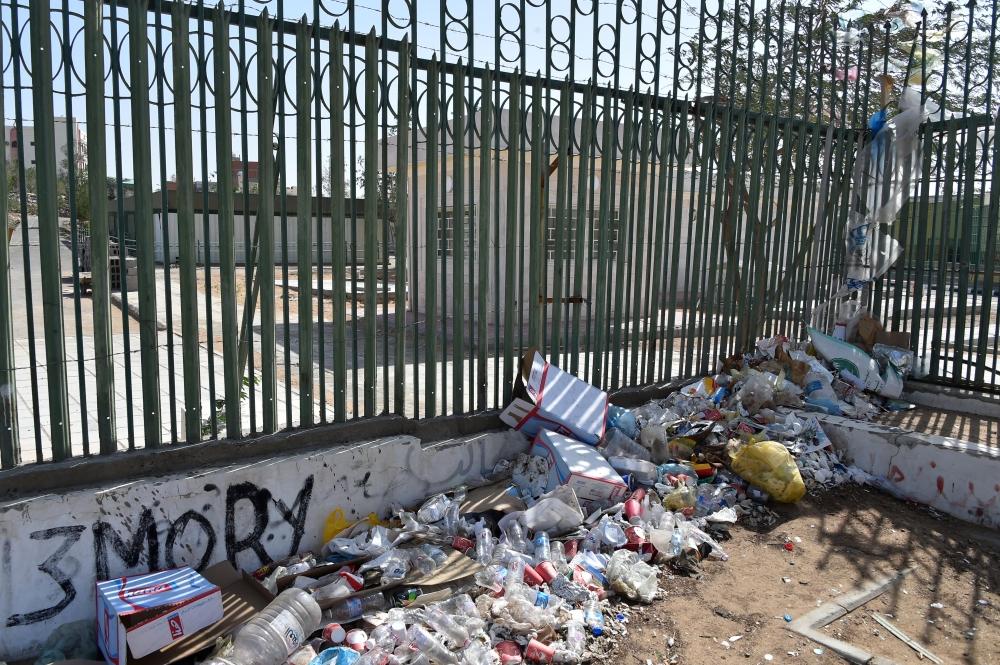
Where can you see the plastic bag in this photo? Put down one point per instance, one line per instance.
(844, 356)
(642, 472)
(770, 466)
(681, 497)
(623, 420)
(653, 436)
(632, 577)
(556, 512)
(756, 393)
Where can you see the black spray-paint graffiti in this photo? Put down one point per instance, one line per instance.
(144, 539)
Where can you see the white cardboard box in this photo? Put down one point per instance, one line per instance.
(144, 613)
(580, 466)
(547, 398)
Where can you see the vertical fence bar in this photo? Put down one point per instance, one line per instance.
(265, 222)
(10, 450)
(338, 219)
(559, 254)
(100, 241)
(536, 237)
(485, 213)
(227, 250)
(582, 252)
(404, 116)
(609, 148)
(203, 85)
(48, 228)
(371, 216)
(992, 221)
(148, 353)
(304, 220)
(458, 244)
(185, 223)
(431, 241)
(637, 272)
(511, 222)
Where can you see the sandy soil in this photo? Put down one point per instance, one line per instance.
(848, 536)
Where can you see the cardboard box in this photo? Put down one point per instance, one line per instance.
(547, 398)
(580, 466)
(241, 597)
(141, 614)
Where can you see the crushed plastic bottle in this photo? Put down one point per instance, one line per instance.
(516, 537)
(430, 646)
(277, 630)
(446, 626)
(433, 509)
(484, 545)
(351, 609)
(576, 636)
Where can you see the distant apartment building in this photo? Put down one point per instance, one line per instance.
(67, 133)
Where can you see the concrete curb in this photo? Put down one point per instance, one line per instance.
(132, 309)
(808, 625)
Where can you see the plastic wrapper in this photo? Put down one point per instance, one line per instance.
(374, 541)
(653, 414)
(681, 497)
(653, 436)
(901, 359)
(770, 466)
(632, 577)
(844, 356)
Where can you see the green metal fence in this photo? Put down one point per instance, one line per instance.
(237, 219)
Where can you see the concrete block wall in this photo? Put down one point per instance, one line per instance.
(54, 547)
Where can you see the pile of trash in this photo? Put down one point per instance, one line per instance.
(523, 568)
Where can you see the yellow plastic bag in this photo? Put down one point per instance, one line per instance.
(770, 466)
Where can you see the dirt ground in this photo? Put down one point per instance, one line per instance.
(841, 539)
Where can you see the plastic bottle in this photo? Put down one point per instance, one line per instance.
(352, 609)
(433, 509)
(543, 547)
(439, 620)
(516, 538)
(616, 444)
(439, 555)
(576, 636)
(430, 646)
(534, 597)
(484, 544)
(676, 542)
(515, 571)
(593, 617)
(278, 630)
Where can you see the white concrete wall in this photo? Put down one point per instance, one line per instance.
(959, 478)
(53, 548)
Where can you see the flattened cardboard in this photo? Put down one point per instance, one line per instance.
(547, 398)
(492, 497)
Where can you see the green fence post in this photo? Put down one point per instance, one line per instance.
(338, 261)
(538, 201)
(303, 216)
(582, 251)
(458, 248)
(100, 241)
(48, 227)
(227, 251)
(265, 220)
(562, 216)
(485, 211)
(402, 201)
(185, 223)
(513, 218)
(609, 150)
(371, 216)
(431, 241)
(142, 158)
(10, 450)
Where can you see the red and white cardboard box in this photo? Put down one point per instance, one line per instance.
(141, 614)
(580, 466)
(547, 398)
